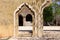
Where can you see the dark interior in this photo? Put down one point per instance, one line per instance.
(29, 18)
(20, 20)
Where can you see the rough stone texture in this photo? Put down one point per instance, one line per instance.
(48, 35)
(52, 34)
(7, 8)
(28, 38)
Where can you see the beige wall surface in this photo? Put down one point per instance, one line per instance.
(7, 8)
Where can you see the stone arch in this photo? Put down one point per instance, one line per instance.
(21, 12)
(16, 13)
(28, 6)
(29, 17)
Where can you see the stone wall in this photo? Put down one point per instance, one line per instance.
(52, 34)
(7, 8)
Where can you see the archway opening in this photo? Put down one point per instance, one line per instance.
(25, 22)
(20, 17)
(29, 20)
(48, 16)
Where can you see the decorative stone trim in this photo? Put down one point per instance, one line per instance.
(39, 26)
(17, 10)
(40, 17)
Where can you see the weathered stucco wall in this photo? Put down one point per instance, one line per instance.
(7, 8)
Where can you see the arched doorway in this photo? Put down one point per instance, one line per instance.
(25, 21)
(29, 19)
(20, 21)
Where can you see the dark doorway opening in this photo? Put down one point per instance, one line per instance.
(20, 20)
(29, 17)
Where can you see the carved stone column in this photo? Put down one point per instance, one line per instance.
(40, 17)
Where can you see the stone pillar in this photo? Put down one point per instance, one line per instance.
(40, 25)
(40, 17)
(24, 21)
(35, 26)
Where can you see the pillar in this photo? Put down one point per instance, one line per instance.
(40, 17)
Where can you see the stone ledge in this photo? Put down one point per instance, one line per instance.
(51, 34)
(32, 38)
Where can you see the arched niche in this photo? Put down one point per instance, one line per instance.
(29, 19)
(20, 20)
(24, 18)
